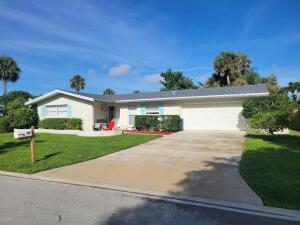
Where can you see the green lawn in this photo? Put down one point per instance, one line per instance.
(271, 166)
(54, 150)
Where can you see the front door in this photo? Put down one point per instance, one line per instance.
(111, 113)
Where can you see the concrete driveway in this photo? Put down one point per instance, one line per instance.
(198, 163)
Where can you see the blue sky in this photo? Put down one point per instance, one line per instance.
(124, 45)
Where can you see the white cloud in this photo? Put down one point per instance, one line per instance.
(153, 78)
(92, 72)
(120, 70)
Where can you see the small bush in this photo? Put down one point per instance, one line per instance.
(147, 122)
(155, 122)
(271, 121)
(4, 125)
(171, 123)
(61, 123)
(23, 118)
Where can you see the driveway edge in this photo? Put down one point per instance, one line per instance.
(279, 213)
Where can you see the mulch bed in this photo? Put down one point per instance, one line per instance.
(148, 132)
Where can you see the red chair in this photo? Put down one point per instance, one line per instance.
(110, 125)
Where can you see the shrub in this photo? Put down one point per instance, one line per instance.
(18, 94)
(271, 122)
(4, 125)
(154, 122)
(23, 118)
(271, 113)
(171, 123)
(274, 102)
(147, 122)
(15, 104)
(61, 123)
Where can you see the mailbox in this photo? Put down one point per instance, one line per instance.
(22, 133)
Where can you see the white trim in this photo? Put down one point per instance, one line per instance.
(193, 97)
(56, 92)
(210, 102)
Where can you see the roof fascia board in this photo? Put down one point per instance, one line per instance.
(194, 97)
(55, 92)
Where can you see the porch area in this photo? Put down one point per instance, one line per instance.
(103, 115)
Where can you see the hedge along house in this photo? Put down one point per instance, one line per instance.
(203, 109)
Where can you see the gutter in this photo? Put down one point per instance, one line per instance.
(193, 97)
(53, 93)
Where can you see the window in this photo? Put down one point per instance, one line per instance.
(132, 111)
(56, 110)
(152, 109)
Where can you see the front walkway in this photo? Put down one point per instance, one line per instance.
(198, 163)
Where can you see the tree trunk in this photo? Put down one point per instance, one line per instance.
(4, 88)
(228, 80)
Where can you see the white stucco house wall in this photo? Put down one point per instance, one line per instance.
(201, 109)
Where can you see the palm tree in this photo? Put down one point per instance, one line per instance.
(77, 82)
(9, 71)
(108, 91)
(230, 66)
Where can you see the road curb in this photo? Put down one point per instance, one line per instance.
(279, 213)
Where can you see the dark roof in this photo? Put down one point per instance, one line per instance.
(201, 92)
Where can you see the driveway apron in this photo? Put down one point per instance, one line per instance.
(196, 163)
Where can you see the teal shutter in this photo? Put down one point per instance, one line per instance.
(43, 111)
(143, 109)
(69, 111)
(161, 108)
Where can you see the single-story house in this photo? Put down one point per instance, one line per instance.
(204, 108)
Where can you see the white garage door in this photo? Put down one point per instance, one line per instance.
(215, 116)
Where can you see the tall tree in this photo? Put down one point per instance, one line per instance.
(251, 76)
(176, 81)
(77, 82)
(271, 82)
(9, 71)
(212, 82)
(108, 91)
(230, 66)
(18, 94)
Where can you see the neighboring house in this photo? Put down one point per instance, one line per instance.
(1, 110)
(204, 108)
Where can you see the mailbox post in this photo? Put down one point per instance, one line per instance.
(32, 145)
(26, 133)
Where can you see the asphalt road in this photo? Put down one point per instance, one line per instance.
(32, 202)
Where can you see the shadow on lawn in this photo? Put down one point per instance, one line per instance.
(284, 140)
(49, 156)
(5, 147)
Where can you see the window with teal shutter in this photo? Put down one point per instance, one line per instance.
(43, 111)
(143, 109)
(161, 108)
(69, 111)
